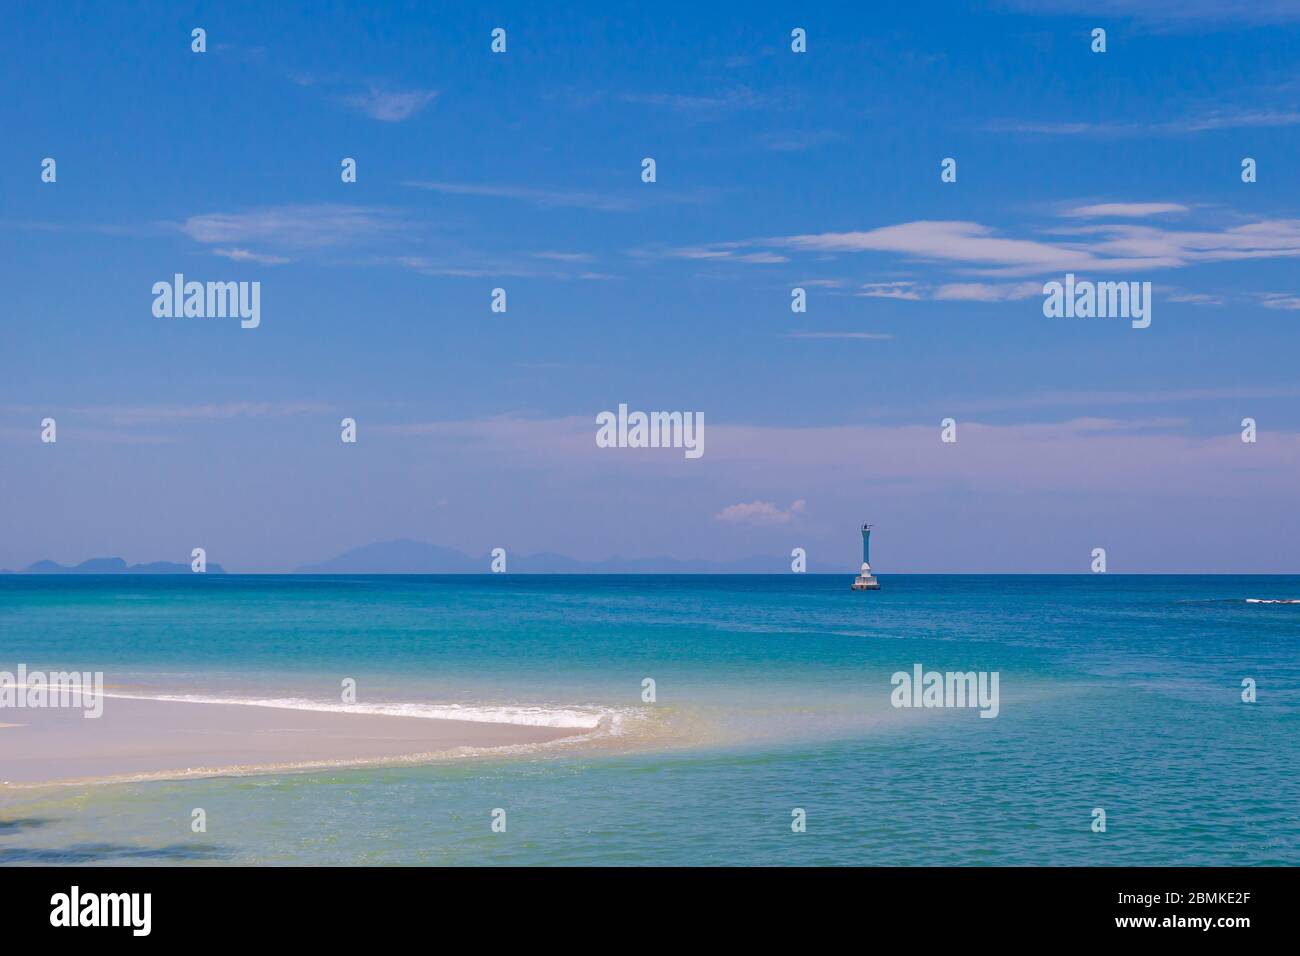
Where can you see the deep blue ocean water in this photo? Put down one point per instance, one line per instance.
(772, 693)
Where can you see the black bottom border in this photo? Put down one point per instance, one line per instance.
(202, 904)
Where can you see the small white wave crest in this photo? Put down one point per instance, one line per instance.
(584, 718)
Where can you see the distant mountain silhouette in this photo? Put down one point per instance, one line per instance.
(402, 555)
(405, 556)
(111, 565)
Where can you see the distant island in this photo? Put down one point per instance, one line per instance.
(405, 556)
(113, 565)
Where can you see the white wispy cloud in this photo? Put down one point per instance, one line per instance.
(1265, 239)
(390, 106)
(1060, 127)
(978, 249)
(1280, 300)
(245, 255)
(720, 251)
(891, 290)
(967, 243)
(952, 291)
(760, 512)
(1171, 12)
(1199, 123)
(1124, 210)
(1235, 119)
(729, 252)
(293, 226)
(987, 291)
(824, 283)
(1196, 298)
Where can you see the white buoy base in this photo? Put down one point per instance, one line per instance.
(866, 581)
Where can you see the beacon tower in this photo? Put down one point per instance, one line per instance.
(866, 581)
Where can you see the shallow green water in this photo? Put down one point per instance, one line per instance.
(772, 693)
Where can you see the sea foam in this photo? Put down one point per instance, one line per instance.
(526, 715)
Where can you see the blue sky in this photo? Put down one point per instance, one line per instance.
(774, 170)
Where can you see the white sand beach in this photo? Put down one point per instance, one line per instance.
(162, 739)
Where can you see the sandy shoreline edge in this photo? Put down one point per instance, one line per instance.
(145, 739)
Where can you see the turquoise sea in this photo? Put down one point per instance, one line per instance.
(771, 693)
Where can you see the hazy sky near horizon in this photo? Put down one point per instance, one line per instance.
(774, 170)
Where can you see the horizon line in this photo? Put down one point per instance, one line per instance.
(607, 574)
